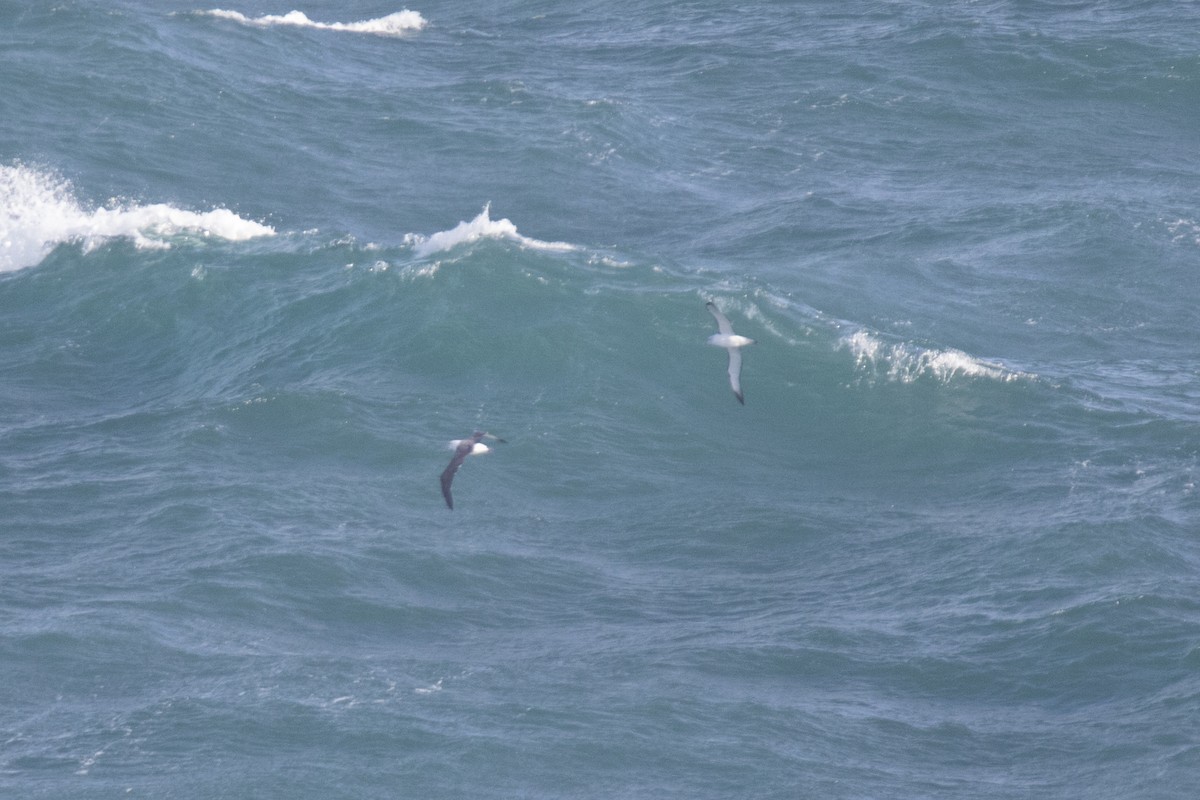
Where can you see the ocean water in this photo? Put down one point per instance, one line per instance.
(260, 263)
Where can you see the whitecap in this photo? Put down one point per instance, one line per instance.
(904, 362)
(38, 211)
(482, 227)
(397, 24)
(1183, 230)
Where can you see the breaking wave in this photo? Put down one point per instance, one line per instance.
(906, 363)
(396, 24)
(38, 212)
(481, 227)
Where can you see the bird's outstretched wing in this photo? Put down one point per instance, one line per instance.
(723, 325)
(460, 455)
(735, 374)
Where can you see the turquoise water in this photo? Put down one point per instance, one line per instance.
(257, 269)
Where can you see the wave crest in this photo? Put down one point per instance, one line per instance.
(482, 227)
(38, 211)
(397, 24)
(907, 363)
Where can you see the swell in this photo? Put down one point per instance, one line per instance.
(358, 354)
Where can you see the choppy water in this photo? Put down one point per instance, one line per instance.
(257, 268)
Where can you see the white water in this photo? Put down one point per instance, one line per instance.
(39, 211)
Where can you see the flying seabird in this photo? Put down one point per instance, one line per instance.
(732, 342)
(463, 448)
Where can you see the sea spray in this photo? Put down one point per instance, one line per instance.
(39, 211)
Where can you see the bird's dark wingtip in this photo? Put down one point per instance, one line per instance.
(447, 476)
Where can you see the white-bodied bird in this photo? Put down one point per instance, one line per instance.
(463, 448)
(725, 337)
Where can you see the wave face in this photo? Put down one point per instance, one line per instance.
(258, 269)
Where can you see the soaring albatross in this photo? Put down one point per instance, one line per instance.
(473, 446)
(725, 337)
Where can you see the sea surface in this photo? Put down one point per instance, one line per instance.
(260, 263)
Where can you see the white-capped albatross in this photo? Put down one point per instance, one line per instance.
(725, 337)
(463, 448)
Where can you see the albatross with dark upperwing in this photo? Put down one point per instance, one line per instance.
(725, 337)
(473, 446)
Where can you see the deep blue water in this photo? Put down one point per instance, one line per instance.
(257, 269)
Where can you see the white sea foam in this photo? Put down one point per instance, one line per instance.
(396, 24)
(906, 363)
(482, 227)
(38, 211)
(1184, 230)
